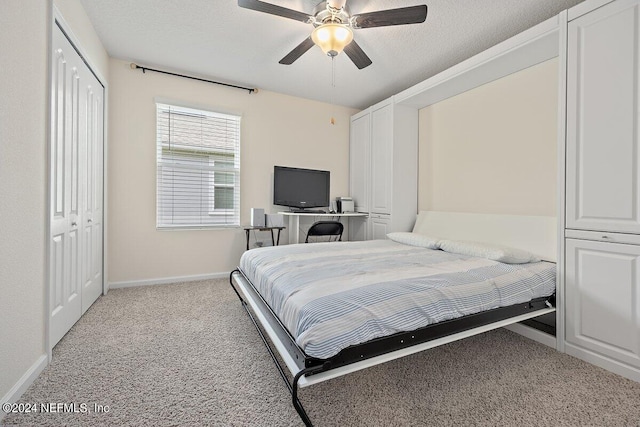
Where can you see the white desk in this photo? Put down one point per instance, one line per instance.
(294, 221)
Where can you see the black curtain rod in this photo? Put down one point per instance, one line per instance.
(145, 69)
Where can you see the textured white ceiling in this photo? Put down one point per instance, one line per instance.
(219, 40)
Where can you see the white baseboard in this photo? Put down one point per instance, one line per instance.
(533, 334)
(166, 280)
(604, 362)
(24, 382)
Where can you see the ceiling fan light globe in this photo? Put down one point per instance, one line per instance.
(332, 38)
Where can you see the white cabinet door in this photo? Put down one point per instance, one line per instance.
(358, 229)
(379, 225)
(603, 298)
(381, 158)
(603, 185)
(359, 162)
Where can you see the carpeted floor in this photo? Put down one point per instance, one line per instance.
(187, 354)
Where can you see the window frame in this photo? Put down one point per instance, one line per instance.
(228, 153)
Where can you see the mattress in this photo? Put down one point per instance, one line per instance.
(334, 295)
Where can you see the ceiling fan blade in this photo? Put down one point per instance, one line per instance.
(273, 9)
(384, 18)
(357, 55)
(297, 52)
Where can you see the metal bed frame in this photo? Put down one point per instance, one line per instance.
(307, 370)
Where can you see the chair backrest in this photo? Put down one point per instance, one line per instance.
(332, 229)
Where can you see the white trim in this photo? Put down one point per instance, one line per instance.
(105, 188)
(603, 362)
(600, 236)
(47, 203)
(208, 112)
(585, 7)
(561, 177)
(167, 280)
(533, 334)
(24, 382)
(528, 48)
(195, 106)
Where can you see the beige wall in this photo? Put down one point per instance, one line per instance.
(23, 147)
(276, 130)
(493, 149)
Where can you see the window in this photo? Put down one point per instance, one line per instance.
(198, 168)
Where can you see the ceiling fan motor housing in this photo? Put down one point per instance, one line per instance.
(324, 13)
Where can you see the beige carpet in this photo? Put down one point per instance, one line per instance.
(188, 355)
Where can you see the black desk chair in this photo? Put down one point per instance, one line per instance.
(332, 229)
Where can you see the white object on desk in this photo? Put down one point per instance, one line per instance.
(345, 204)
(274, 220)
(257, 217)
(294, 221)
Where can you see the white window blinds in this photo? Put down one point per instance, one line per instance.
(198, 179)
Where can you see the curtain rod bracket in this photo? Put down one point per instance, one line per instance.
(135, 66)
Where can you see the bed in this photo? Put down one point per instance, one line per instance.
(333, 308)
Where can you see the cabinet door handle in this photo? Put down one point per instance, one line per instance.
(89, 220)
(73, 224)
(605, 237)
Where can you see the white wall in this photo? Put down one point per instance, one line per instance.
(276, 130)
(493, 149)
(25, 29)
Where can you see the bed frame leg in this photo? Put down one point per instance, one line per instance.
(293, 387)
(294, 396)
(233, 287)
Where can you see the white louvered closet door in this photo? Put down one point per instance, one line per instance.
(76, 161)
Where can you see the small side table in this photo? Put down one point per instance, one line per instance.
(275, 242)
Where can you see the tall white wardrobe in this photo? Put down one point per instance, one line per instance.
(383, 161)
(602, 235)
(76, 187)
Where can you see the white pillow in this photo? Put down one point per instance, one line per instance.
(414, 239)
(487, 250)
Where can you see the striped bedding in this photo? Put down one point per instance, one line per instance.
(334, 295)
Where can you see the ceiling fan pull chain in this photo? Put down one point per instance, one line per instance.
(333, 89)
(333, 72)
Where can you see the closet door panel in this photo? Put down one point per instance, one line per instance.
(65, 244)
(602, 112)
(381, 159)
(379, 226)
(603, 298)
(360, 162)
(93, 194)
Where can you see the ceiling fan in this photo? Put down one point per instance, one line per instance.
(333, 26)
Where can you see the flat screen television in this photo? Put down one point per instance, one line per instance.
(300, 189)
